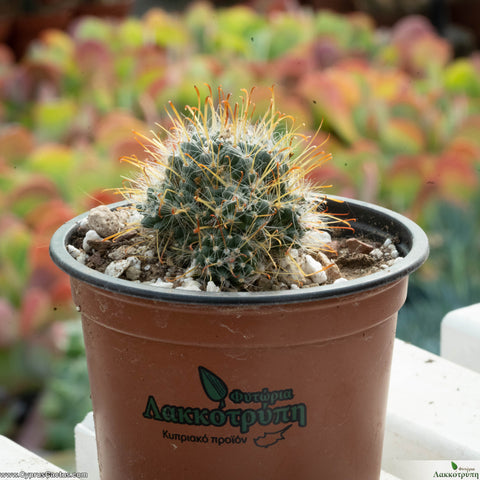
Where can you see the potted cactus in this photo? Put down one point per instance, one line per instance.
(220, 341)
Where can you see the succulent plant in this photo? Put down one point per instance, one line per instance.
(228, 197)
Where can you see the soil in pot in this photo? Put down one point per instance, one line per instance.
(100, 244)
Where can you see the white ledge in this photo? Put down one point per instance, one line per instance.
(14, 458)
(433, 410)
(460, 337)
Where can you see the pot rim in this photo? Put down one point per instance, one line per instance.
(411, 241)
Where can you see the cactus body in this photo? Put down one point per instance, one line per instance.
(229, 198)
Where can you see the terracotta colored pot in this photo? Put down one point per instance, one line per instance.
(277, 385)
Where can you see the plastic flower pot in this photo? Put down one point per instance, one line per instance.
(274, 385)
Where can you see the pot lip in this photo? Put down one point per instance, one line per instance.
(414, 238)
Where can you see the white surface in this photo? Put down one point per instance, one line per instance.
(460, 337)
(433, 410)
(16, 459)
(86, 448)
(388, 476)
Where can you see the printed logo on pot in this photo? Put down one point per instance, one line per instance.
(266, 413)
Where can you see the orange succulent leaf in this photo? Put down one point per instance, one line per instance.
(47, 216)
(451, 175)
(61, 292)
(389, 85)
(165, 29)
(44, 275)
(429, 51)
(55, 47)
(114, 128)
(54, 119)
(27, 195)
(468, 131)
(284, 103)
(289, 69)
(458, 175)
(94, 59)
(34, 312)
(52, 160)
(362, 164)
(130, 145)
(418, 45)
(150, 58)
(100, 197)
(16, 143)
(15, 241)
(8, 327)
(409, 173)
(401, 135)
(333, 95)
(329, 174)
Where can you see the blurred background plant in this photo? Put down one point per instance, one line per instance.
(400, 107)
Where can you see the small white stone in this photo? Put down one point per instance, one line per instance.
(119, 253)
(398, 260)
(190, 285)
(211, 287)
(190, 270)
(75, 252)
(387, 242)
(315, 270)
(315, 238)
(126, 215)
(160, 283)
(134, 270)
(376, 253)
(289, 265)
(134, 217)
(294, 286)
(149, 254)
(340, 280)
(394, 253)
(90, 236)
(294, 253)
(83, 224)
(116, 268)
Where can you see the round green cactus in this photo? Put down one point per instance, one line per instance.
(227, 197)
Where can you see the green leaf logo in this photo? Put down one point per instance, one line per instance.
(454, 465)
(214, 386)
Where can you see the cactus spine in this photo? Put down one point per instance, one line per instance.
(226, 196)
